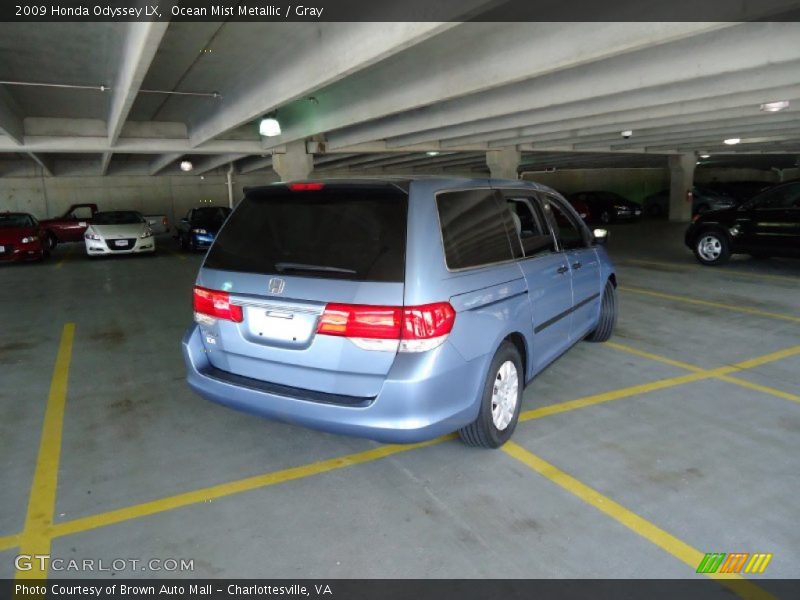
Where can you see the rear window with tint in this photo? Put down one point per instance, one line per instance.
(338, 232)
(473, 229)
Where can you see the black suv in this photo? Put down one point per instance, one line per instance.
(766, 225)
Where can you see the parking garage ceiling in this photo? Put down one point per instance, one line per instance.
(140, 96)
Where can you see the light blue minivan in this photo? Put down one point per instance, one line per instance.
(395, 310)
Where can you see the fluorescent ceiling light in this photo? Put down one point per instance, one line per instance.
(732, 141)
(775, 106)
(705, 156)
(269, 127)
(432, 153)
(186, 166)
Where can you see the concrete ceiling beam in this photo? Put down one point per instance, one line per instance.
(162, 162)
(213, 162)
(139, 48)
(500, 54)
(690, 62)
(11, 123)
(349, 47)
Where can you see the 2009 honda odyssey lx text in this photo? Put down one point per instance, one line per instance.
(396, 310)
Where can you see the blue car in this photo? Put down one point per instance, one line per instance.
(199, 227)
(395, 310)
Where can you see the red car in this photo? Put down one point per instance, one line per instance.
(22, 238)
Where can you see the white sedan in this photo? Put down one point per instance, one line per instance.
(119, 232)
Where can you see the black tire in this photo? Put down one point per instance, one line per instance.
(182, 241)
(605, 217)
(711, 248)
(52, 241)
(608, 315)
(483, 433)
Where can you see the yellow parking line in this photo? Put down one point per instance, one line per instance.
(730, 307)
(9, 541)
(234, 487)
(268, 479)
(41, 503)
(553, 409)
(176, 253)
(60, 263)
(698, 268)
(649, 531)
(740, 366)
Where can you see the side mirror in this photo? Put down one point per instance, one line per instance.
(600, 236)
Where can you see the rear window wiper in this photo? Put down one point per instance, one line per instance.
(287, 266)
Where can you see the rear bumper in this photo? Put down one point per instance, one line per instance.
(425, 395)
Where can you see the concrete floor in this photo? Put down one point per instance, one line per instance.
(710, 462)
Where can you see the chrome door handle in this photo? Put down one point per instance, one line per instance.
(576, 265)
(563, 269)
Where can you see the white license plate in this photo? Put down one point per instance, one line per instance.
(122, 243)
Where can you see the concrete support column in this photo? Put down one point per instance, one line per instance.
(503, 163)
(295, 163)
(681, 180)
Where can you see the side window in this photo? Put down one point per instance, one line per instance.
(473, 228)
(787, 196)
(82, 212)
(533, 232)
(565, 224)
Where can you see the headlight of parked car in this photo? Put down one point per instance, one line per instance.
(620, 207)
(28, 240)
(200, 231)
(92, 236)
(147, 233)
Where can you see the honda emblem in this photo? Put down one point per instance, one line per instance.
(276, 285)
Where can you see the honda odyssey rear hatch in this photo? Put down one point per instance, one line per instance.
(303, 288)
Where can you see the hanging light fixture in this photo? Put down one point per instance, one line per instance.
(186, 166)
(269, 126)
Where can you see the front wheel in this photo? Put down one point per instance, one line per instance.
(500, 402)
(605, 217)
(608, 315)
(712, 248)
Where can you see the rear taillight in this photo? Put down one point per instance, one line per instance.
(390, 328)
(215, 304)
(165, 222)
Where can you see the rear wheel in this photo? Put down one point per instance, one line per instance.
(52, 242)
(500, 402)
(712, 248)
(605, 217)
(608, 315)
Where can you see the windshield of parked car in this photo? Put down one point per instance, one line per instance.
(210, 216)
(118, 217)
(338, 232)
(14, 221)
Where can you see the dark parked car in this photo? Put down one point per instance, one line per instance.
(767, 225)
(704, 200)
(200, 226)
(606, 207)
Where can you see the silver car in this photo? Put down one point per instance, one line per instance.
(119, 232)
